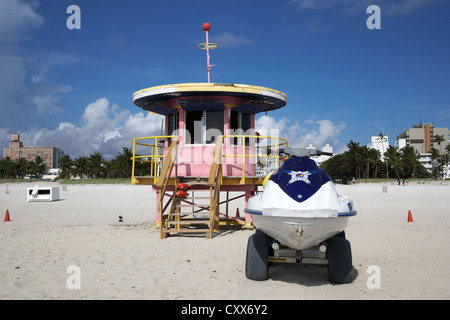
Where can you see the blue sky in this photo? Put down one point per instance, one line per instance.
(73, 88)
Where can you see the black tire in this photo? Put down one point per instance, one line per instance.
(256, 262)
(340, 268)
(340, 235)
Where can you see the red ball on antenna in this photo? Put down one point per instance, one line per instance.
(206, 26)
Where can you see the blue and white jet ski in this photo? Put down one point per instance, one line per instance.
(300, 218)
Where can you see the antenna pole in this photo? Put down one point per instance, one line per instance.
(208, 67)
(207, 46)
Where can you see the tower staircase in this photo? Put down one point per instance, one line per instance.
(198, 213)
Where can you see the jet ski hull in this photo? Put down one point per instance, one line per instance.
(300, 233)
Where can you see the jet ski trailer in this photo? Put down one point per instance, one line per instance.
(300, 218)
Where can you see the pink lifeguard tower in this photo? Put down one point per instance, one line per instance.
(209, 149)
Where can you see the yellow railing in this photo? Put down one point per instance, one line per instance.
(155, 158)
(266, 153)
(263, 158)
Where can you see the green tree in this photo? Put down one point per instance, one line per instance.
(369, 158)
(21, 167)
(65, 164)
(38, 166)
(81, 167)
(337, 168)
(6, 168)
(375, 161)
(381, 137)
(95, 164)
(439, 139)
(437, 163)
(443, 158)
(353, 156)
(410, 161)
(393, 156)
(123, 163)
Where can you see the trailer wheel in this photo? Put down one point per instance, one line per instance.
(256, 263)
(340, 235)
(340, 268)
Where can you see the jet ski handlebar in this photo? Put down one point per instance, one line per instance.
(303, 152)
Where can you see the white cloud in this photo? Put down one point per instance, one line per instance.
(105, 128)
(315, 132)
(229, 40)
(46, 103)
(17, 18)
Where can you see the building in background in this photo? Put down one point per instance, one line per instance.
(16, 150)
(421, 138)
(379, 143)
(320, 159)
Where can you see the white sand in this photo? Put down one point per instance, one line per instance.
(128, 260)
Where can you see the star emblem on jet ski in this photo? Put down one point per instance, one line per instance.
(300, 176)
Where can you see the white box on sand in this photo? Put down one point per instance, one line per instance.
(42, 194)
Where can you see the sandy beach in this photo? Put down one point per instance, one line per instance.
(127, 260)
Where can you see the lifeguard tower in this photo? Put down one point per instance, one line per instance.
(209, 149)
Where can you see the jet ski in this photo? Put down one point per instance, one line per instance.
(300, 218)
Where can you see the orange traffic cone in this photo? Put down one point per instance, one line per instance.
(6, 216)
(410, 219)
(237, 213)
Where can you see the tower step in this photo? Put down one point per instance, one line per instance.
(191, 221)
(202, 205)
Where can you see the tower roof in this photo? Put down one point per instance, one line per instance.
(250, 99)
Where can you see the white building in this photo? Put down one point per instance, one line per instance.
(380, 144)
(320, 159)
(265, 165)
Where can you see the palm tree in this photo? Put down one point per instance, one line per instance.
(447, 154)
(435, 154)
(393, 156)
(7, 168)
(81, 167)
(439, 139)
(20, 167)
(410, 158)
(365, 159)
(96, 162)
(38, 166)
(382, 138)
(124, 162)
(354, 156)
(437, 166)
(65, 163)
(375, 160)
